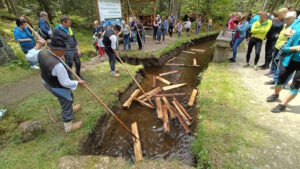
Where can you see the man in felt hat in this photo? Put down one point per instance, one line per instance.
(56, 79)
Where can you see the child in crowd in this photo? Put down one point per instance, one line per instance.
(100, 46)
(209, 24)
(179, 28)
(159, 33)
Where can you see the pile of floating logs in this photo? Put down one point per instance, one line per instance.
(166, 111)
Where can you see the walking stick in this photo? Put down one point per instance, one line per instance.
(93, 93)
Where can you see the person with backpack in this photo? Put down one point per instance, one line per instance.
(44, 28)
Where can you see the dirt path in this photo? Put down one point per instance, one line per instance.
(16, 92)
(282, 146)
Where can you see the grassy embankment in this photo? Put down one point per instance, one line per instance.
(158, 53)
(17, 70)
(227, 130)
(45, 150)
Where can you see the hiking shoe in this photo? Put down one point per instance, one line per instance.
(268, 73)
(77, 108)
(69, 126)
(35, 67)
(279, 108)
(271, 82)
(115, 75)
(255, 68)
(272, 98)
(246, 65)
(261, 66)
(232, 60)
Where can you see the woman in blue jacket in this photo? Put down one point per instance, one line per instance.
(290, 63)
(241, 31)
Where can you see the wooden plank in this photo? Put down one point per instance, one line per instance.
(183, 109)
(137, 144)
(144, 103)
(194, 62)
(171, 59)
(168, 73)
(165, 119)
(189, 52)
(192, 98)
(187, 121)
(170, 94)
(172, 115)
(127, 104)
(150, 93)
(154, 82)
(166, 88)
(182, 122)
(163, 80)
(158, 107)
(198, 50)
(174, 64)
(179, 75)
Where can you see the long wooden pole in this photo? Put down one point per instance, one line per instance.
(136, 82)
(93, 93)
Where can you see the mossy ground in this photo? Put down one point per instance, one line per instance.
(227, 129)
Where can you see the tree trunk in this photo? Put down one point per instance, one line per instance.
(176, 8)
(274, 6)
(14, 7)
(8, 6)
(64, 7)
(2, 4)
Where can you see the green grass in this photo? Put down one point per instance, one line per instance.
(158, 53)
(226, 128)
(45, 150)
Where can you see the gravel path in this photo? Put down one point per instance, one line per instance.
(282, 146)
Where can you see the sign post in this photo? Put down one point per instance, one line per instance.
(109, 11)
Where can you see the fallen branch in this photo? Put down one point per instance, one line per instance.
(127, 104)
(163, 80)
(170, 95)
(198, 50)
(168, 73)
(168, 107)
(183, 109)
(189, 52)
(166, 88)
(192, 98)
(52, 119)
(144, 103)
(182, 122)
(137, 144)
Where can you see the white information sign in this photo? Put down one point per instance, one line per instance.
(109, 9)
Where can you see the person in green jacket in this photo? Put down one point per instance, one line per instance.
(259, 31)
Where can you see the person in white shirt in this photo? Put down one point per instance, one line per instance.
(110, 42)
(56, 79)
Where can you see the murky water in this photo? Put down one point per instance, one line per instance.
(155, 143)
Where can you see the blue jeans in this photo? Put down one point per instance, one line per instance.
(126, 40)
(198, 29)
(237, 43)
(273, 65)
(209, 28)
(179, 34)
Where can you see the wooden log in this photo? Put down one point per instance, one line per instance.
(172, 115)
(127, 104)
(183, 109)
(137, 144)
(194, 62)
(154, 82)
(168, 73)
(170, 94)
(163, 80)
(179, 75)
(171, 59)
(182, 122)
(189, 52)
(158, 107)
(187, 121)
(174, 64)
(192, 98)
(150, 94)
(165, 119)
(166, 88)
(144, 103)
(198, 50)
